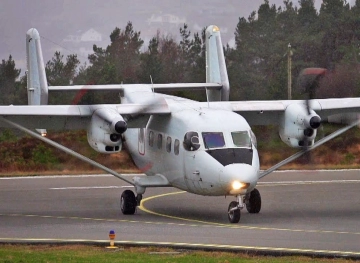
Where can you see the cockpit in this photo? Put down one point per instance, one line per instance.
(213, 140)
(225, 147)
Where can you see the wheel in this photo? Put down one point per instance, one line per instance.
(128, 202)
(234, 216)
(253, 205)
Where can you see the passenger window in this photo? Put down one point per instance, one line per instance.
(168, 144)
(159, 141)
(213, 139)
(191, 141)
(141, 136)
(176, 147)
(151, 138)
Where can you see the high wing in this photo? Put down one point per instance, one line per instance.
(75, 117)
(342, 110)
(39, 114)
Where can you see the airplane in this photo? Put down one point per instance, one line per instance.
(206, 148)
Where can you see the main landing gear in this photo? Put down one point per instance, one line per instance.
(252, 201)
(128, 202)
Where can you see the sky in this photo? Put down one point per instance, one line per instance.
(57, 19)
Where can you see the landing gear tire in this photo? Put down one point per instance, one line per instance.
(234, 215)
(253, 204)
(128, 202)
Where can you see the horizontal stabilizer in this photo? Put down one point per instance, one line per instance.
(156, 87)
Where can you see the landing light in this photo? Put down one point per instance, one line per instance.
(236, 185)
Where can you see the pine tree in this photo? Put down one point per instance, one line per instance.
(9, 87)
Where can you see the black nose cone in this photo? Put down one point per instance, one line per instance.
(120, 127)
(315, 122)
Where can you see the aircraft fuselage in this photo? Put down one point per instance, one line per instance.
(199, 150)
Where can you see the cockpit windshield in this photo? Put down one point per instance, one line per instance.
(241, 139)
(213, 139)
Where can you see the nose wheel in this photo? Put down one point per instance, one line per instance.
(252, 201)
(234, 209)
(234, 212)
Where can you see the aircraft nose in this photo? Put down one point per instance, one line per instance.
(239, 178)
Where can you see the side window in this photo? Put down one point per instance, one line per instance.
(241, 138)
(151, 138)
(159, 141)
(253, 138)
(168, 144)
(176, 147)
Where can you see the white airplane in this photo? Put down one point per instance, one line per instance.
(205, 148)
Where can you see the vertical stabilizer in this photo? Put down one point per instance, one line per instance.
(215, 65)
(36, 77)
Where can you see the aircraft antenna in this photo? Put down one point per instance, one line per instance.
(152, 84)
(207, 97)
(67, 49)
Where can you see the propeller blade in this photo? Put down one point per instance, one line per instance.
(141, 110)
(308, 83)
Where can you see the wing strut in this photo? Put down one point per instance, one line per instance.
(307, 149)
(67, 150)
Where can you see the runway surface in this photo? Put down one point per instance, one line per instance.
(315, 212)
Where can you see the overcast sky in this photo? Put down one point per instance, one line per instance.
(55, 19)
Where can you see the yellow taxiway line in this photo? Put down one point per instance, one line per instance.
(143, 208)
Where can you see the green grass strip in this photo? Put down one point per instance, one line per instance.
(88, 254)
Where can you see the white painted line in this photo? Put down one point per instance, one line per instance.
(66, 176)
(312, 171)
(310, 182)
(133, 175)
(305, 251)
(90, 187)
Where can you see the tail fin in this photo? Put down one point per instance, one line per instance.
(36, 77)
(215, 65)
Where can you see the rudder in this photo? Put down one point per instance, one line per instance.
(37, 87)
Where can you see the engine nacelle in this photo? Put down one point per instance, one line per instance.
(298, 127)
(105, 129)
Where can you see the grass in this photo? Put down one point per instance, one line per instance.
(82, 253)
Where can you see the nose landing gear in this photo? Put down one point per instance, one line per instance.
(234, 209)
(252, 201)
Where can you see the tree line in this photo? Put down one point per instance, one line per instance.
(257, 64)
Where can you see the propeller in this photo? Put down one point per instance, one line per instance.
(308, 83)
(141, 113)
